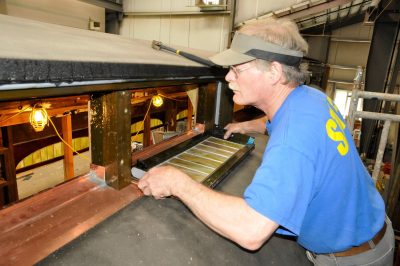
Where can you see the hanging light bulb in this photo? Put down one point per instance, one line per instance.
(157, 101)
(38, 118)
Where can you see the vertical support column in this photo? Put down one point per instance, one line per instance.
(206, 106)
(110, 116)
(170, 114)
(381, 150)
(10, 191)
(147, 129)
(113, 20)
(66, 123)
(3, 182)
(380, 60)
(189, 120)
(392, 199)
(225, 105)
(325, 78)
(352, 110)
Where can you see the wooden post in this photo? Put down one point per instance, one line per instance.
(170, 114)
(7, 156)
(66, 123)
(147, 130)
(110, 136)
(189, 119)
(225, 112)
(206, 106)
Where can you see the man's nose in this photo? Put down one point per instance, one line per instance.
(230, 76)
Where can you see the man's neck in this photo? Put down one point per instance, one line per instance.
(275, 99)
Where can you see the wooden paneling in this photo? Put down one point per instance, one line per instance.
(17, 112)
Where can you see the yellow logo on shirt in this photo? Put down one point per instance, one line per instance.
(335, 129)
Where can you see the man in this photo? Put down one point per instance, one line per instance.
(311, 182)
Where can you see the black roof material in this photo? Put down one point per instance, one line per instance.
(38, 55)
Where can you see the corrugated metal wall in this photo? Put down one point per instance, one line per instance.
(70, 13)
(165, 21)
(348, 49)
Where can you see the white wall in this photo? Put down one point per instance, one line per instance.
(198, 31)
(72, 13)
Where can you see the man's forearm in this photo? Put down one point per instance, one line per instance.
(227, 215)
(257, 125)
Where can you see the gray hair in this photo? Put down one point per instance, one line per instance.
(285, 33)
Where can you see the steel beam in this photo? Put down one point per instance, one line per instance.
(316, 9)
(333, 25)
(380, 58)
(109, 5)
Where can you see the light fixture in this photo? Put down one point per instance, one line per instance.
(157, 100)
(38, 118)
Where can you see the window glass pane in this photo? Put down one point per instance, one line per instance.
(342, 100)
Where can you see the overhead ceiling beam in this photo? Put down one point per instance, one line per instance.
(109, 5)
(295, 13)
(332, 25)
(328, 12)
(314, 9)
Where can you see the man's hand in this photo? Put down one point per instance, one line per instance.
(159, 182)
(228, 215)
(234, 128)
(252, 126)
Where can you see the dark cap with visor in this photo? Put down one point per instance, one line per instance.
(245, 48)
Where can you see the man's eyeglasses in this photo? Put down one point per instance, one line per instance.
(236, 70)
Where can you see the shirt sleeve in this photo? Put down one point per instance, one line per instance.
(282, 187)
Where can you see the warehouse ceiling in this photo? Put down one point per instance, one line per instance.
(318, 17)
(335, 17)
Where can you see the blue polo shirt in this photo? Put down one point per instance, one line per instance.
(312, 181)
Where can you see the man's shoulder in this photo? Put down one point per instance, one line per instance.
(309, 94)
(303, 121)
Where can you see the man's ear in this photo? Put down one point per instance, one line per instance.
(276, 72)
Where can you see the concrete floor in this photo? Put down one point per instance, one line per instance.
(165, 232)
